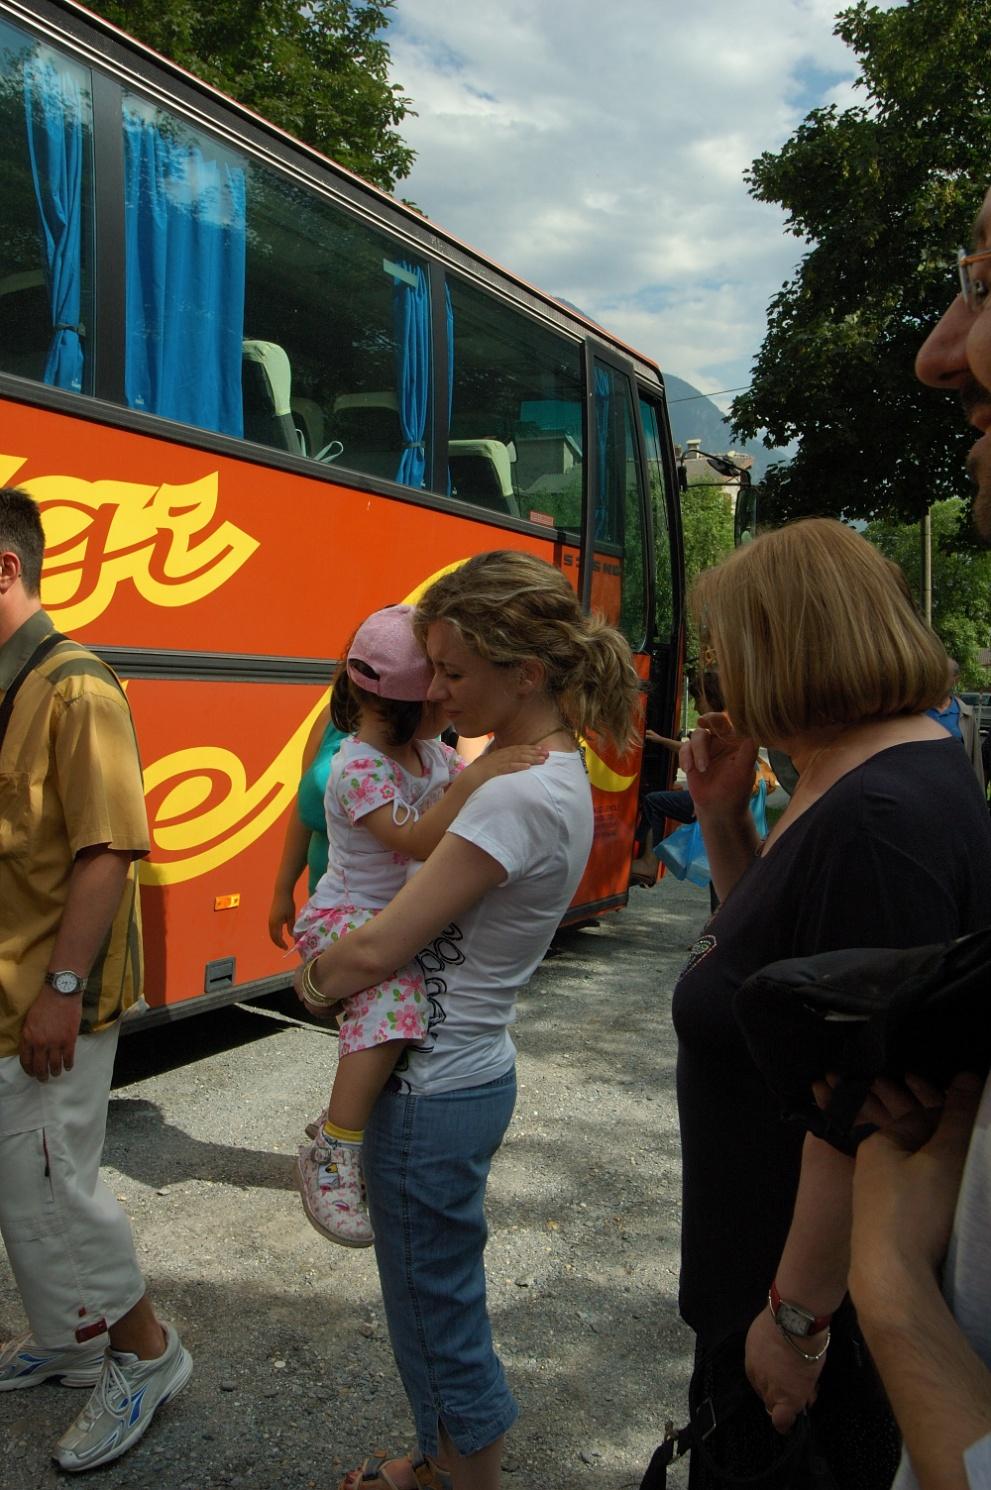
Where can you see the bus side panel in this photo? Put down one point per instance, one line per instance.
(222, 764)
(157, 544)
(153, 543)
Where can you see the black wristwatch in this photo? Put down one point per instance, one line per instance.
(67, 983)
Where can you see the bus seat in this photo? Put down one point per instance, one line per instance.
(367, 425)
(549, 453)
(266, 384)
(481, 473)
(310, 422)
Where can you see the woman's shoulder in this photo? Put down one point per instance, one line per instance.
(916, 788)
(903, 770)
(557, 786)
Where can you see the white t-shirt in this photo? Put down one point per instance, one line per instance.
(967, 1281)
(360, 870)
(538, 825)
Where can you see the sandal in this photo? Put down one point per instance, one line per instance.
(373, 1474)
(644, 873)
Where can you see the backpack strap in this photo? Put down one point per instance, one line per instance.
(677, 1442)
(40, 652)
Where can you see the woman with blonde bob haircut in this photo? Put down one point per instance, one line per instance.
(812, 628)
(885, 842)
(515, 658)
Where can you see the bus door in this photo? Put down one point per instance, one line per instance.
(667, 640)
(616, 580)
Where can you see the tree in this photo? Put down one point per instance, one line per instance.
(961, 583)
(883, 193)
(707, 533)
(319, 70)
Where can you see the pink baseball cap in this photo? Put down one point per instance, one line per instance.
(386, 644)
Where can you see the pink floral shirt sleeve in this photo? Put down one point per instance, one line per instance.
(369, 781)
(455, 765)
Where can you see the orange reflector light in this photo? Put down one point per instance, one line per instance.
(226, 902)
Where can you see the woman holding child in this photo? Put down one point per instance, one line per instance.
(512, 656)
(885, 843)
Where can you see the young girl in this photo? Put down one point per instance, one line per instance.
(393, 791)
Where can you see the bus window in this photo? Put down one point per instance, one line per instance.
(516, 412)
(663, 557)
(310, 331)
(46, 233)
(619, 525)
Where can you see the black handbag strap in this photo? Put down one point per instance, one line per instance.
(40, 652)
(700, 1426)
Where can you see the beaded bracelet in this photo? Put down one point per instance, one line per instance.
(805, 1354)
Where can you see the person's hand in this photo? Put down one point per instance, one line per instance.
(49, 1034)
(906, 1181)
(916, 1101)
(785, 1383)
(666, 740)
(718, 764)
(504, 762)
(282, 918)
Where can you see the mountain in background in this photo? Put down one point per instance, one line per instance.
(695, 417)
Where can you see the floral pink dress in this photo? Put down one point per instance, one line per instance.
(363, 876)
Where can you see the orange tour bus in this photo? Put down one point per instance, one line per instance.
(255, 399)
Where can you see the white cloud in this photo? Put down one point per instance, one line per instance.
(598, 151)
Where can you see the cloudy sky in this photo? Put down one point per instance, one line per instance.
(597, 148)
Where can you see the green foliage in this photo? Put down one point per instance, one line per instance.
(319, 70)
(707, 531)
(883, 193)
(961, 582)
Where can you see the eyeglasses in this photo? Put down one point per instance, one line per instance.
(973, 289)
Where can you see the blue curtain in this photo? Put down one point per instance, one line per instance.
(56, 110)
(411, 309)
(185, 234)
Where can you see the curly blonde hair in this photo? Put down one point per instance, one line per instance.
(510, 607)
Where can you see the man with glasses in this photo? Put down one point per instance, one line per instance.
(921, 1254)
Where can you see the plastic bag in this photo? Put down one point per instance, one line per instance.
(683, 851)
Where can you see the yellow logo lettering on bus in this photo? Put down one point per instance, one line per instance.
(203, 811)
(167, 540)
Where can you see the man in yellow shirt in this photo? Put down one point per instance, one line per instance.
(72, 827)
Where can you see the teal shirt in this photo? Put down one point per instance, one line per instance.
(310, 806)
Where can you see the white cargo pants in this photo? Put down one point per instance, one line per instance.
(68, 1241)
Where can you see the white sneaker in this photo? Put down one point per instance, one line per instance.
(124, 1401)
(24, 1363)
(333, 1191)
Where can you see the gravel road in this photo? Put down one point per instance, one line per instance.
(294, 1381)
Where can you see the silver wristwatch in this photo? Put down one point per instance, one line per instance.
(67, 983)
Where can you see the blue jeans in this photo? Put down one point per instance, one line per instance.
(426, 1161)
(657, 806)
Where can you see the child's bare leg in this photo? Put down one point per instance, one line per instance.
(359, 1080)
(481, 1471)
